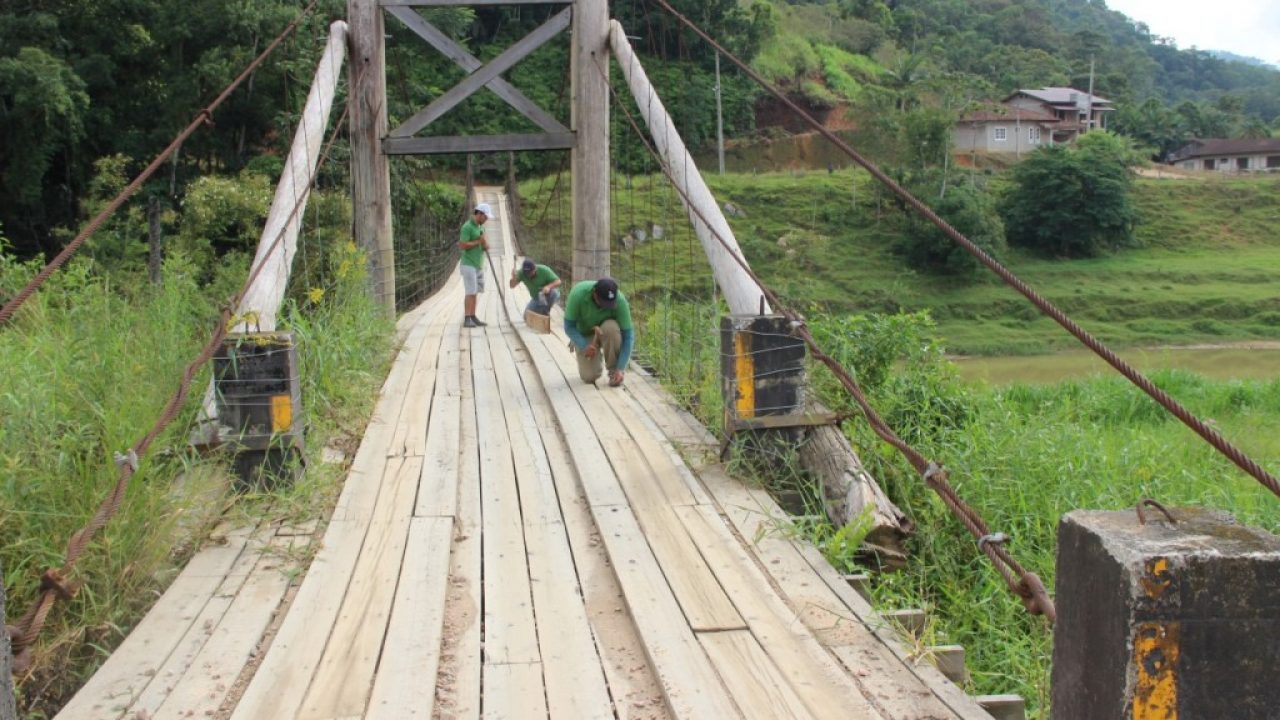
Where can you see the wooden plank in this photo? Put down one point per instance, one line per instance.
(411, 429)
(278, 686)
(412, 650)
(344, 675)
(646, 435)
(470, 63)
(514, 692)
(509, 631)
(231, 644)
(134, 664)
(689, 683)
(630, 678)
(457, 686)
(705, 603)
(478, 143)
(898, 687)
(575, 683)
(761, 690)
(180, 661)
(438, 486)
(481, 77)
(812, 673)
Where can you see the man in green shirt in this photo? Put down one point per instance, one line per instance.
(474, 246)
(542, 282)
(596, 309)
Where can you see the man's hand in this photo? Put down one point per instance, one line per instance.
(591, 351)
(615, 378)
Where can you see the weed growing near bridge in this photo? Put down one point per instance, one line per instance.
(89, 363)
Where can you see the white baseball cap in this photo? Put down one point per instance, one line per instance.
(484, 208)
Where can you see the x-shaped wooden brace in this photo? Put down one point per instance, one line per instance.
(481, 74)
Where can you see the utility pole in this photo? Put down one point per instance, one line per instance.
(719, 116)
(1088, 103)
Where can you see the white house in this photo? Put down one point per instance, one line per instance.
(1028, 119)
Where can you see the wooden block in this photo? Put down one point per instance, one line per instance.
(949, 659)
(912, 621)
(1003, 707)
(538, 323)
(861, 584)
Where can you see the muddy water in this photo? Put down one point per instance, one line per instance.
(1241, 362)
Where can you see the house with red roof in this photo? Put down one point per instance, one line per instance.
(1229, 155)
(1028, 119)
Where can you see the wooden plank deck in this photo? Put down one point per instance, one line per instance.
(513, 543)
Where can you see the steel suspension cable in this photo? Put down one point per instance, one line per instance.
(201, 118)
(55, 582)
(1023, 583)
(1237, 456)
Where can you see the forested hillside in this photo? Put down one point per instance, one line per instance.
(82, 80)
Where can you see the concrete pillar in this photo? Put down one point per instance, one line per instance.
(590, 123)
(1160, 621)
(761, 368)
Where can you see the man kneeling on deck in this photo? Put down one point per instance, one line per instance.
(543, 285)
(597, 309)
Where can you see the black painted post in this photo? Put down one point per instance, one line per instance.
(1165, 620)
(8, 708)
(761, 368)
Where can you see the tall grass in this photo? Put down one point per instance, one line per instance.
(89, 363)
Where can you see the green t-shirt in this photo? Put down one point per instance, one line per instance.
(542, 276)
(582, 309)
(471, 232)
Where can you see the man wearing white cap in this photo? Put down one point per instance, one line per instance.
(474, 246)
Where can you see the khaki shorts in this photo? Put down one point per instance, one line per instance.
(472, 280)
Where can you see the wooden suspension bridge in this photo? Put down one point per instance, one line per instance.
(514, 543)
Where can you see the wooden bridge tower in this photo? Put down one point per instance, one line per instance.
(372, 141)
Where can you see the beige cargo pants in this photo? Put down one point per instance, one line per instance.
(608, 339)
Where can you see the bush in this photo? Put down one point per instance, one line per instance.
(967, 208)
(1072, 201)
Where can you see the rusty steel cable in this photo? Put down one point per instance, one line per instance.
(55, 583)
(1023, 583)
(201, 118)
(1213, 437)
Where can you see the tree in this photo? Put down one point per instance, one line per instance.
(1072, 200)
(967, 208)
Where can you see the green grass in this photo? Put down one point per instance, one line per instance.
(89, 363)
(1203, 272)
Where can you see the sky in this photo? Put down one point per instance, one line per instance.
(1244, 27)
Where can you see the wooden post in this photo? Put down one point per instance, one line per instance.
(740, 291)
(279, 241)
(590, 121)
(370, 173)
(153, 232)
(8, 710)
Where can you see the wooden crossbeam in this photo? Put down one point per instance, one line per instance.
(477, 144)
(456, 3)
(485, 75)
(455, 52)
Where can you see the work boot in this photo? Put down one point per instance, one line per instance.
(469, 322)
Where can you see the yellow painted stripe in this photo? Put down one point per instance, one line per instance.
(281, 413)
(1155, 655)
(745, 368)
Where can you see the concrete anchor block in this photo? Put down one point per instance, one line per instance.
(1003, 707)
(1174, 617)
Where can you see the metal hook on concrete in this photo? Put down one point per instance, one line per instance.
(1142, 518)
